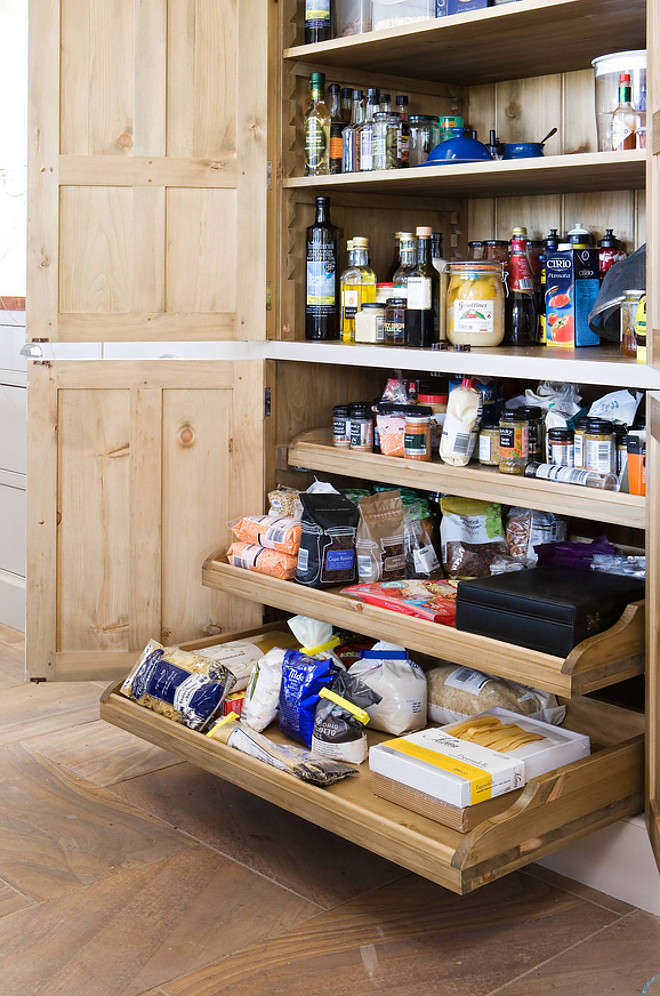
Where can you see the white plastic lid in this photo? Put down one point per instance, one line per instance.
(612, 63)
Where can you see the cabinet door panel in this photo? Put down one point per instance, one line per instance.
(133, 479)
(142, 225)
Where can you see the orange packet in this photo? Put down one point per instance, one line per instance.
(275, 532)
(257, 558)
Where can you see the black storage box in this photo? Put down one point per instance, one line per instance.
(548, 609)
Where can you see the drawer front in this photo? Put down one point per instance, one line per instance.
(12, 530)
(13, 434)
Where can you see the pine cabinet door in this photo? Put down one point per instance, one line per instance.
(135, 470)
(149, 136)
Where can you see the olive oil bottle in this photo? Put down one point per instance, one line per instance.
(322, 276)
(317, 129)
(358, 286)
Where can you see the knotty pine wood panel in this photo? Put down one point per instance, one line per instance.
(201, 259)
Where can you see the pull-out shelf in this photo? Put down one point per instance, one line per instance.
(551, 811)
(602, 660)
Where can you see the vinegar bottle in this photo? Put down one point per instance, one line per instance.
(322, 276)
(520, 306)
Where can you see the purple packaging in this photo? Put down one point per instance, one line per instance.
(462, 6)
(572, 286)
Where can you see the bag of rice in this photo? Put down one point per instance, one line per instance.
(456, 693)
(262, 697)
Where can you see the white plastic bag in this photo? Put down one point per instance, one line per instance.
(401, 684)
(263, 692)
(457, 693)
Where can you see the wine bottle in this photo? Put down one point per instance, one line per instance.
(317, 129)
(322, 276)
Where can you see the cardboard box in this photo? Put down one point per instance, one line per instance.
(463, 6)
(443, 767)
(572, 286)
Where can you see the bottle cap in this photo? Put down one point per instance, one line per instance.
(358, 94)
(402, 99)
(520, 233)
(373, 91)
(346, 92)
(359, 242)
(317, 80)
(334, 88)
(423, 232)
(386, 98)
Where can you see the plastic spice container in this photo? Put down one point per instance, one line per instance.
(600, 446)
(370, 323)
(362, 428)
(475, 304)
(560, 447)
(628, 344)
(395, 321)
(424, 136)
(341, 426)
(417, 437)
(578, 441)
(536, 433)
(393, 13)
(352, 17)
(438, 405)
(489, 445)
(514, 442)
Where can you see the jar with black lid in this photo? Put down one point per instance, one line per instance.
(621, 446)
(560, 446)
(395, 321)
(341, 426)
(362, 427)
(514, 441)
(600, 446)
(536, 425)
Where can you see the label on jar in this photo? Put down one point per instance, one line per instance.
(600, 455)
(380, 328)
(350, 300)
(578, 449)
(562, 454)
(486, 449)
(341, 430)
(320, 274)
(316, 143)
(317, 10)
(477, 317)
(515, 439)
(415, 444)
(367, 150)
(419, 294)
(395, 331)
(565, 475)
(362, 433)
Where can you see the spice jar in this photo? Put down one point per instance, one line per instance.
(514, 442)
(621, 446)
(438, 405)
(475, 250)
(385, 140)
(600, 446)
(395, 321)
(536, 426)
(489, 445)
(578, 440)
(496, 250)
(370, 323)
(560, 447)
(475, 304)
(424, 136)
(362, 427)
(628, 344)
(341, 426)
(384, 293)
(417, 437)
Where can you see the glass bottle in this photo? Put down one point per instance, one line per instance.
(317, 129)
(322, 276)
(318, 21)
(385, 103)
(346, 102)
(520, 307)
(610, 251)
(625, 119)
(408, 253)
(442, 266)
(350, 150)
(366, 132)
(403, 145)
(358, 286)
(423, 314)
(336, 127)
(396, 258)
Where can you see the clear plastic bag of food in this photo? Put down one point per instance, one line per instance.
(251, 557)
(274, 532)
(456, 693)
(527, 528)
(472, 536)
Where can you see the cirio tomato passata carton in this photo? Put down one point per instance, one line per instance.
(572, 286)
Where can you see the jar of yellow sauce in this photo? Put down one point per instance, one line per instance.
(475, 303)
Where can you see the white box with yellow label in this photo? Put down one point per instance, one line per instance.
(461, 773)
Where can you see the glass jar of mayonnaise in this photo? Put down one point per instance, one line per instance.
(475, 303)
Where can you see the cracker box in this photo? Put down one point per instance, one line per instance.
(572, 286)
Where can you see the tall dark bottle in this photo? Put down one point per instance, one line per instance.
(318, 20)
(322, 276)
(423, 307)
(520, 307)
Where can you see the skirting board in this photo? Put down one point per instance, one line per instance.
(12, 600)
(617, 860)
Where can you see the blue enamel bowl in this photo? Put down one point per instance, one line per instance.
(522, 150)
(458, 150)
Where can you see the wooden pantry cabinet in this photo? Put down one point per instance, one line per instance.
(167, 202)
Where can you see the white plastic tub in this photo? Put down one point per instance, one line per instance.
(607, 69)
(392, 13)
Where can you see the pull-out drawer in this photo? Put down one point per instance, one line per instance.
(553, 810)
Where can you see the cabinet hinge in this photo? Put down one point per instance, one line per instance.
(269, 296)
(269, 174)
(267, 401)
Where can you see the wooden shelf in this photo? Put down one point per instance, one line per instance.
(514, 41)
(578, 173)
(314, 451)
(602, 660)
(551, 811)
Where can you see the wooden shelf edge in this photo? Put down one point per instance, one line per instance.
(566, 802)
(506, 660)
(314, 451)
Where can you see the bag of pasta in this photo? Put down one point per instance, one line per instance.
(180, 685)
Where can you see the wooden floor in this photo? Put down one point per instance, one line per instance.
(125, 871)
